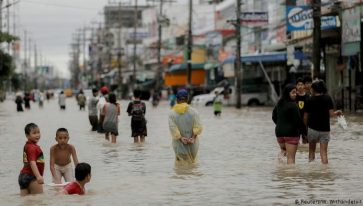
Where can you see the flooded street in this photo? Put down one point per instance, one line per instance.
(237, 161)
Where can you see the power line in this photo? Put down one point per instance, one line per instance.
(58, 5)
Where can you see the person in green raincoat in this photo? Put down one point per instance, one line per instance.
(185, 128)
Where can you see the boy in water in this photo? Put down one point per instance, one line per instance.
(137, 109)
(301, 98)
(217, 104)
(83, 176)
(60, 157)
(92, 109)
(307, 84)
(31, 176)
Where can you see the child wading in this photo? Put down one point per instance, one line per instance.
(31, 176)
(301, 98)
(217, 104)
(137, 109)
(318, 110)
(110, 123)
(92, 110)
(60, 157)
(83, 176)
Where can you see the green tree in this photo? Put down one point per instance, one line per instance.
(6, 61)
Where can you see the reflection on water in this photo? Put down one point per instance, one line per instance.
(184, 170)
(237, 162)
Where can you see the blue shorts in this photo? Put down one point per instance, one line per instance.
(25, 180)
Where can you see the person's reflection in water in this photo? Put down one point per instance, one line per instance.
(184, 169)
(292, 180)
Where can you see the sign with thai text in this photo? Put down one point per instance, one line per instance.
(254, 18)
(301, 18)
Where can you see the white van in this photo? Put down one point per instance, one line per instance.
(248, 98)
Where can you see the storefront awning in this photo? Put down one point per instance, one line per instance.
(182, 67)
(209, 66)
(265, 57)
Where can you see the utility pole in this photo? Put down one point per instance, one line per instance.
(25, 60)
(119, 51)
(135, 39)
(160, 20)
(159, 73)
(1, 16)
(35, 64)
(189, 47)
(30, 52)
(238, 63)
(8, 22)
(84, 51)
(316, 37)
(35, 57)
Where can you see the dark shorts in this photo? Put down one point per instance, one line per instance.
(217, 113)
(25, 180)
(94, 122)
(138, 127)
(288, 140)
(63, 107)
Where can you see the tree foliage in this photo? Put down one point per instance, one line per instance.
(6, 61)
(6, 37)
(6, 66)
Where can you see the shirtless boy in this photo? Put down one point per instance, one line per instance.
(60, 158)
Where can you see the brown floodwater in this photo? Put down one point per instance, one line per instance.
(237, 161)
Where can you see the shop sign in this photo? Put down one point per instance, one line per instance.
(351, 25)
(301, 18)
(254, 18)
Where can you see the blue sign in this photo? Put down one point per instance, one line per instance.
(300, 18)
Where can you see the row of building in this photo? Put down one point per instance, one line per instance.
(124, 51)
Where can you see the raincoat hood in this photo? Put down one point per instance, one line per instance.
(181, 108)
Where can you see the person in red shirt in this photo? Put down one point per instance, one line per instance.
(83, 176)
(31, 176)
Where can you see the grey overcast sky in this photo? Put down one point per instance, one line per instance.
(51, 23)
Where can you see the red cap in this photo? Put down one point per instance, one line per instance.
(104, 90)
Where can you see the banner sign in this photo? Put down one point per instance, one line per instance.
(351, 25)
(138, 35)
(301, 18)
(254, 18)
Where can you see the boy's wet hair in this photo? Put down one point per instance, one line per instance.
(307, 79)
(298, 80)
(62, 129)
(29, 127)
(112, 98)
(94, 90)
(319, 86)
(82, 170)
(137, 93)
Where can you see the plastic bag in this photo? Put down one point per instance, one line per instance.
(342, 122)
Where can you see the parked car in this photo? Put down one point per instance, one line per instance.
(250, 98)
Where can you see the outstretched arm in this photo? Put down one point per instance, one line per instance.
(74, 156)
(52, 162)
(336, 113)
